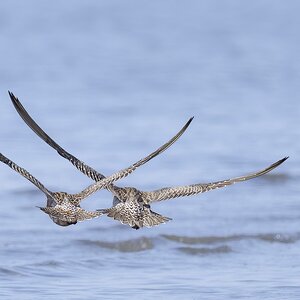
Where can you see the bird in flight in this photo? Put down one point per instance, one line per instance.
(62, 208)
(130, 205)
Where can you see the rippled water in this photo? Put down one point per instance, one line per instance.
(113, 80)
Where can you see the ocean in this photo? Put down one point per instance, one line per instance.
(113, 80)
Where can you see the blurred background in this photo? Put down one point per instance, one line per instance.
(113, 80)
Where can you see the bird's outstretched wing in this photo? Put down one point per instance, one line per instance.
(81, 166)
(125, 172)
(25, 174)
(188, 190)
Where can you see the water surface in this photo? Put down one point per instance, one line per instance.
(113, 80)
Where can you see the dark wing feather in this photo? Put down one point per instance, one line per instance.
(81, 166)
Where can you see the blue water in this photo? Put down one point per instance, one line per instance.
(113, 80)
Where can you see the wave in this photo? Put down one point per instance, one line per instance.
(8, 272)
(267, 237)
(205, 250)
(133, 245)
(145, 243)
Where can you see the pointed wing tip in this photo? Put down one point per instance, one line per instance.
(283, 159)
(13, 98)
(187, 124)
(279, 162)
(189, 121)
(11, 95)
